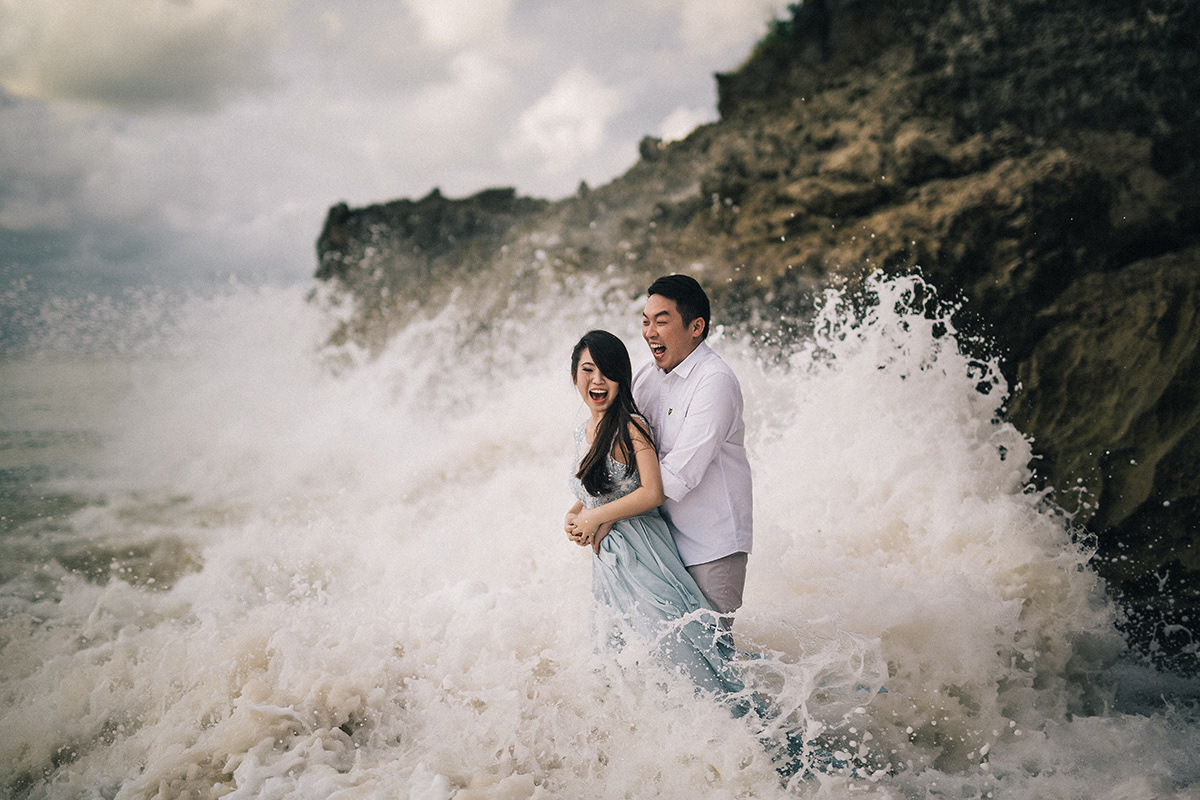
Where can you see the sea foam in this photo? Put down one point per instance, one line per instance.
(322, 572)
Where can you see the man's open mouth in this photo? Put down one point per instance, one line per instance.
(658, 350)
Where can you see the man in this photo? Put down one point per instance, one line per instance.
(694, 401)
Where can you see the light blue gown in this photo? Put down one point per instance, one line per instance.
(640, 580)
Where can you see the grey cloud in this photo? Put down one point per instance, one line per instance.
(56, 225)
(380, 48)
(137, 55)
(369, 107)
(43, 166)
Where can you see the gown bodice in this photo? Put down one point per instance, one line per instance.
(625, 477)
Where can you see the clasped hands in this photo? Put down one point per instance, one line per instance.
(583, 531)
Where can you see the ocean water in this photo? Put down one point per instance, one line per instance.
(238, 563)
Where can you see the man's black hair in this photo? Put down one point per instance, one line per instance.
(688, 295)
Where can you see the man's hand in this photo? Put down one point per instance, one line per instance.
(599, 537)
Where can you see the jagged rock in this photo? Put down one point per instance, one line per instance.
(1113, 389)
(388, 254)
(433, 230)
(1038, 160)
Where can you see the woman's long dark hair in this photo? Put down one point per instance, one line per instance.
(612, 359)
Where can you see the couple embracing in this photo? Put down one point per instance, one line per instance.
(663, 484)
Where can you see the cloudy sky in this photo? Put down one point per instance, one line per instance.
(147, 141)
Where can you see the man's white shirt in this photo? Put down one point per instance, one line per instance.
(696, 411)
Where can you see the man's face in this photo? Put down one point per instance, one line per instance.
(670, 340)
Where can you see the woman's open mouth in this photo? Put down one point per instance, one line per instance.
(598, 395)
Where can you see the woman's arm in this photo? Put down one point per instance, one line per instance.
(647, 496)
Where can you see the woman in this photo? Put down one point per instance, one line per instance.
(636, 572)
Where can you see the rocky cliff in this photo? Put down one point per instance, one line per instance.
(1036, 159)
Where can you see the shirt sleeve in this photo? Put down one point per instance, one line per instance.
(711, 419)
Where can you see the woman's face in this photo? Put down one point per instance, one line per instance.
(597, 391)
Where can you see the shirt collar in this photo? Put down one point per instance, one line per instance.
(685, 367)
